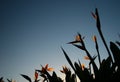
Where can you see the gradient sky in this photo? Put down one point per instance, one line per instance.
(32, 32)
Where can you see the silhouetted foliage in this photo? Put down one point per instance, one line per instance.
(26, 77)
(108, 69)
(1, 79)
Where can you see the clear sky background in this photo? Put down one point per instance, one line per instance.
(32, 32)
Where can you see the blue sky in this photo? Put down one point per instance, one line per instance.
(32, 32)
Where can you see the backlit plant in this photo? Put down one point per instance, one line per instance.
(108, 69)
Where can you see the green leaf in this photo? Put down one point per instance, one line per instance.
(116, 53)
(98, 19)
(79, 71)
(9, 80)
(26, 77)
(54, 74)
(68, 59)
(73, 42)
(1, 79)
(73, 78)
(80, 47)
(118, 43)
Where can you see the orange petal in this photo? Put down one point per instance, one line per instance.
(94, 38)
(77, 38)
(36, 75)
(86, 58)
(83, 66)
(50, 69)
(46, 66)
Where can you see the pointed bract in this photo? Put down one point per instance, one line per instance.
(26, 77)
